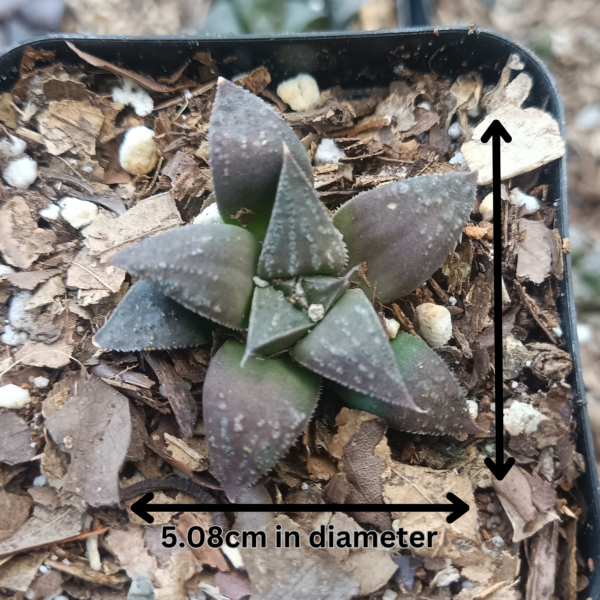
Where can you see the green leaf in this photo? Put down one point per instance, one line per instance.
(147, 320)
(301, 239)
(405, 230)
(275, 323)
(350, 347)
(432, 386)
(325, 290)
(253, 415)
(246, 139)
(206, 268)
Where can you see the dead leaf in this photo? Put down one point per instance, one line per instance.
(193, 454)
(542, 564)
(169, 582)
(69, 124)
(53, 356)
(548, 362)
(255, 81)
(33, 55)
(534, 250)
(94, 427)
(47, 292)
(81, 569)
(46, 585)
(204, 555)
(29, 280)
(128, 545)
(18, 507)
(536, 141)
(143, 80)
(54, 462)
(372, 569)
(21, 240)
(18, 573)
(467, 91)
(157, 214)
(88, 273)
(298, 572)
(15, 439)
(8, 114)
(425, 120)
(234, 585)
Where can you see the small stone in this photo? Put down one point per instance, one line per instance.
(521, 417)
(530, 203)
(21, 173)
(458, 159)
(513, 358)
(12, 337)
(210, 216)
(328, 153)
(50, 213)
(138, 153)
(435, 324)
(316, 312)
(486, 208)
(299, 92)
(454, 130)
(39, 481)
(473, 408)
(12, 396)
(261, 283)
(41, 382)
(12, 146)
(391, 327)
(389, 595)
(78, 213)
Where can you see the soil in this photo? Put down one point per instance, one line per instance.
(519, 541)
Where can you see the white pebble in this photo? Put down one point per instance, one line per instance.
(519, 199)
(20, 173)
(435, 323)
(12, 396)
(29, 594)
(514, 385)
(78, 213)
(210, 215)
(557, 331)
(521, 417)
(454, 130)
(328, 153)
(452, 301)
(51, 212)
(389, 595)
(391, 327)
(300, 92)
(39, 481)
(316, 312)
(92, 553)
(458, 159)
(6, 270)
(134, 96)
(12, 337)
(473, 408)
(425, 104)
(44, 569)
(138, 153)
(513, 357)
(41, 382)
(486, 208)
(12, 146)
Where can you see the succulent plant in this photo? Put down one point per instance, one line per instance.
(286, 272)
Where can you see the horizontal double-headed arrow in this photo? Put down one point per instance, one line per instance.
(142, 508)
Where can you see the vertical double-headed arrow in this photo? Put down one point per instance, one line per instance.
(495, 131)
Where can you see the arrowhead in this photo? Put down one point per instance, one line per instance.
(495, 129)
(460, 508)
(500, 471)
(140, 508)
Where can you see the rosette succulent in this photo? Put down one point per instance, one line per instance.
(279, 266)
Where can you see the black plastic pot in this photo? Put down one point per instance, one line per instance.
(359, 61)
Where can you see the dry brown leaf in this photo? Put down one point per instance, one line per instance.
(193, 453)
(18, 573)
(81, 569)
(143, 80)
(542, 564)
(54, 462)
(425, 120)
(15, 439)
(88, 273)
(348, 422)
(70, 124)
(46, 585)
(467, 91)
(234, 585)
(536, 141)
(157, 214)
(372, 569)
(94, 427)
(17, 507)
(296, 572)
(53, 356)
(8, 114)
(47, 292)
(255, 81)
(534, 251)
(169, 582)
(321, 468)
(161, 518)
(21, 240)
(205, 555)
(128, 545)
(29, 280)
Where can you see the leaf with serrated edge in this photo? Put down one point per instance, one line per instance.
(206, 268)
(147, 320)
(325, 290)
(245, 138)
(432, 386)
(275, 323)
(253, 415)
(350, 347)
(405, 230)
(301, 239)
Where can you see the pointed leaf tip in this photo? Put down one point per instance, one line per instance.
(246, 154)
(147, 320)
(350, 347)
(405, 230)
(253, 415)
(206, 268)
(432, 386)
(301, 238)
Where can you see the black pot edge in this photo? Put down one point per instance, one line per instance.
(588, 482)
